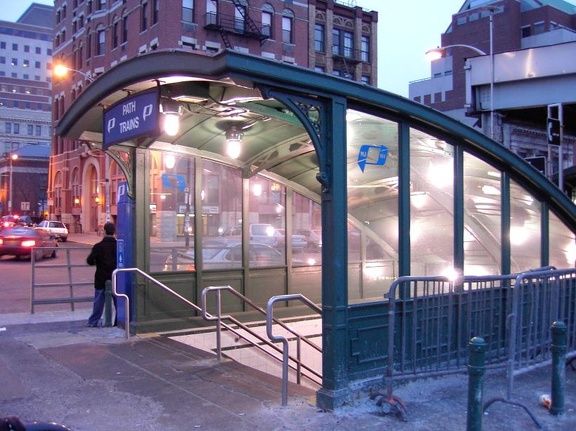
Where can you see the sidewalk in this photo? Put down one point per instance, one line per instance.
(53, 368)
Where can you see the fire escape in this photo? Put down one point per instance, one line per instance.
(228, 25)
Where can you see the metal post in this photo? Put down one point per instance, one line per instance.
(491, 73)
(10, 192)
(476, 370)
(107, 185)
(558, 349)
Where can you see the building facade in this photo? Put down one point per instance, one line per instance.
(25, 109)
(91, 37)
(520, 49)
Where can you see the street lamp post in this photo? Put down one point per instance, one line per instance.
(11, 158)
(436, 53)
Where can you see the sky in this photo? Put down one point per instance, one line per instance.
(406, 30)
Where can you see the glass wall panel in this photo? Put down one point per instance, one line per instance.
(307, 222)
(267, 223)
(482, 217)
(431, 205)
(562, 244)
(221, 216)
(171, 220)
(372, 175)
(525, 221)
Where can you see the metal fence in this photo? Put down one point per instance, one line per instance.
(67, 281)
(432, 319)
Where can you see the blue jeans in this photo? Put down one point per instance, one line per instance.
(98, 307)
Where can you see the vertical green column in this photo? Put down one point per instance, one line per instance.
(335, 343)
(476, 370)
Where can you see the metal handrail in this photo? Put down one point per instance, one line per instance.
(284, 340)
(209, 317)
(297, 360)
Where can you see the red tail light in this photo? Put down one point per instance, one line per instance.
(29, 243)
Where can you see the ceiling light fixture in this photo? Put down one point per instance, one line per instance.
(172, 111)
(233, 142)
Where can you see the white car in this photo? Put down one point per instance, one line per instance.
(55, 228)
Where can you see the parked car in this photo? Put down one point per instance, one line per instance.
(55, 228)
(298, 242)
(265, 233)
(224, 255)
(313, 238)
(21, 241)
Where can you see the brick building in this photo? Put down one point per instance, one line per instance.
(91, 37)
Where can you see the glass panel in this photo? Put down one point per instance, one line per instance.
(221, 216)
(482, 215)
(562, 245)
(432, 205)
(171, 210)
(306, 232)
(267, 215)
(526, 217)
(372, 176)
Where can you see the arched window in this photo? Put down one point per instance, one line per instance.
(268, 20)
(287, 26)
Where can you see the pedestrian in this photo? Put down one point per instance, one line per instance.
(103, 255)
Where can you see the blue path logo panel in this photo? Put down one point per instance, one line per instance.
(132, 117)
(372, 155)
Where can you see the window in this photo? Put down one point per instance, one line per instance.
(30, 129)
(14, 47)
(26, 63)
(155, 11)
(102, 5)
(14, 62)
(38, 130)
(2, 45)
(26, 48)
(101, 42)
(342, 43)
(16, 128)
(115, 33)
(287, 26)
(38, 50)
(37, 64)
(267, 20)
(8, 127)
(239, 18)
(188, 10)
(125, 28)
(525, 31)
(365, 48)
(211, 12)
(319, 38)
(144, 17)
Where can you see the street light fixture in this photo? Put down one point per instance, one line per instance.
(62, 71)
(437, 53)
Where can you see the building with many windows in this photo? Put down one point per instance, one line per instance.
(25, 107)
(505, 63)
(92, 37)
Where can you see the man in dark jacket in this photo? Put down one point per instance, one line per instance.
(103, 255)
